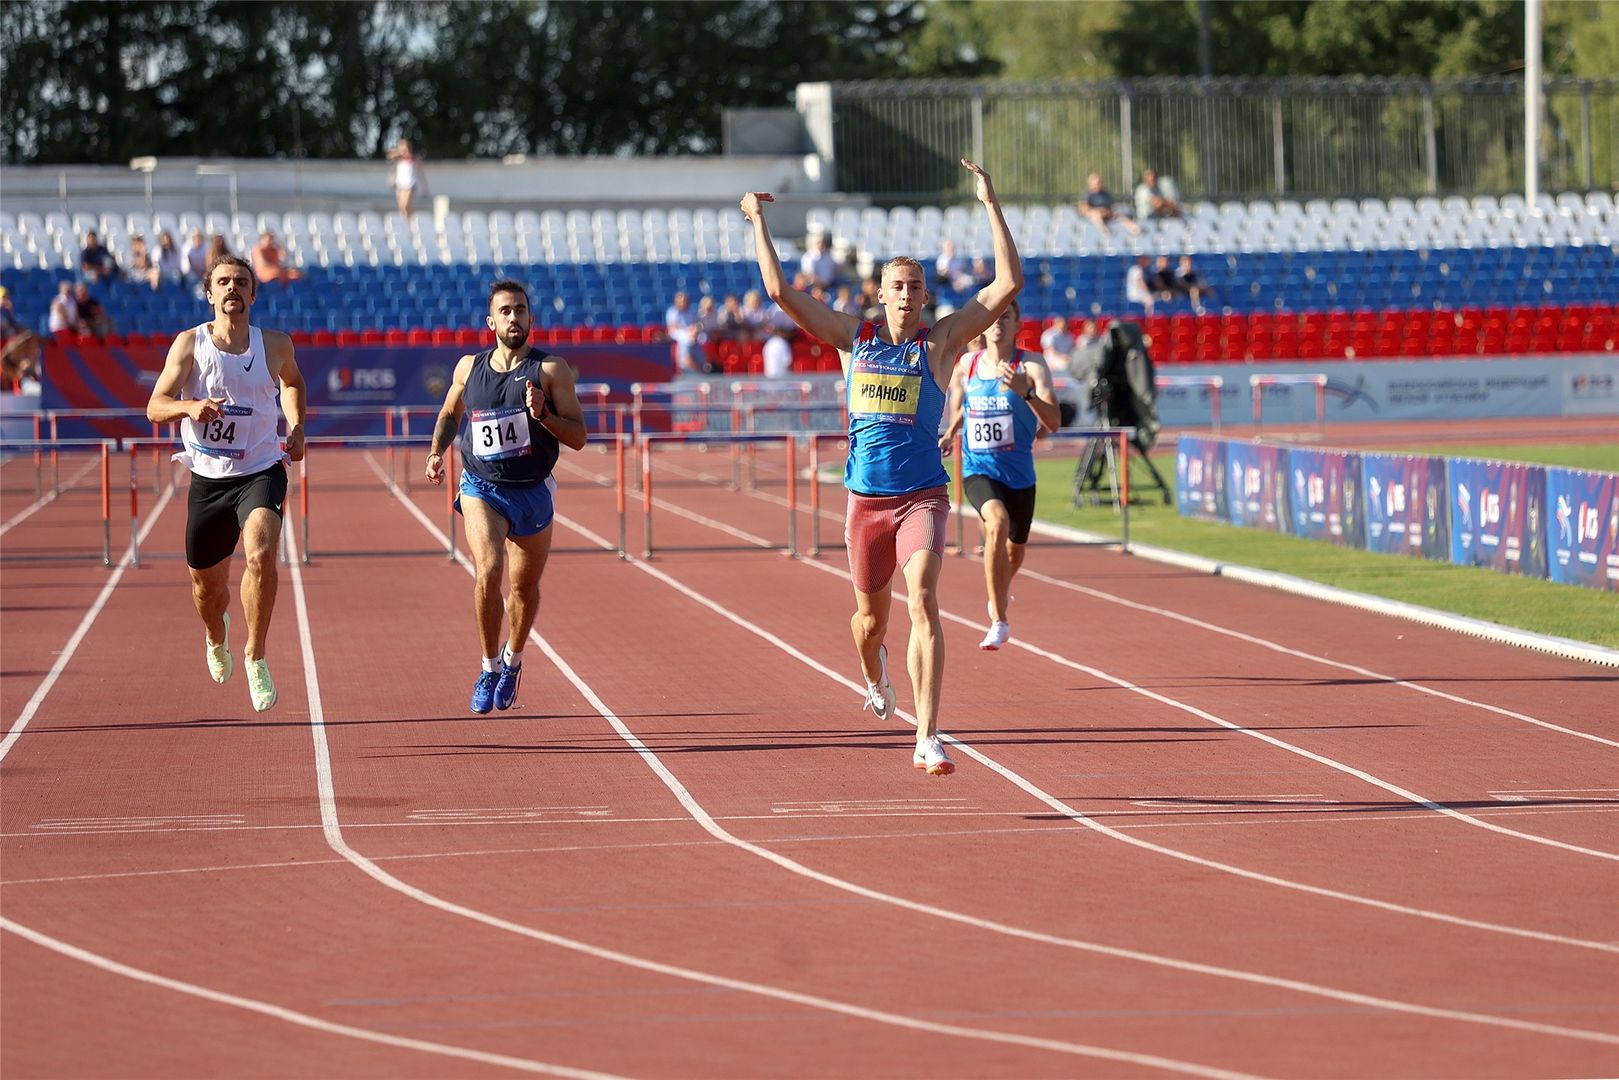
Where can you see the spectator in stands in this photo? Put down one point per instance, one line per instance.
(93, 318)
(217, 249)
(1057, 345)
(170, 268)
(819, 263)
(1162, 281)
(407, 175)
(754, 315)
(845, 302)
(1193, 284)
(194, 260)
(708, 321)
(778, 354)
(1135, 284)
(20, 364)
(142, 270)
(871, 305)
(1098, 207)
(1085, 360)
(269, 261)
(1157, 197)
(731, 326)
(681, 323)
(951, 270)
(9, 326)
(64, 314)
(95, 261)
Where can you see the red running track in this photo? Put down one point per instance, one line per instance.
(1197, 828)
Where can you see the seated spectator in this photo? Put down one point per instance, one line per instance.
(141, 270)
(871, 308)
(1162, 281)
(170, 268)
(1098, 207)
(64, 313)
(93, 318)
(1157, 197)
(1057, 345)
(1193, 285)
(754, 315)
(778, 355)
(194, 259)
(681, 323)
(1135, 284)
(845, 302)
(708, 321)
(269, 261)
(216, 248)
(819, 263)
(731, 326)
(95, 261)
(952, 270)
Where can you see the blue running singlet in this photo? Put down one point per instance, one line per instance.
(895, 407)
(998, 429)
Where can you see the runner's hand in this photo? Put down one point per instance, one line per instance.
(534, 401)
(751, 203)
(435, 468)
(982, 191)
(206, 410)
(295, 443)
(947, 444)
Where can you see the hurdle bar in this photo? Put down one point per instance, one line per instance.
(372, 442)
(1319, 381)
(107, 447)
(1213, 383)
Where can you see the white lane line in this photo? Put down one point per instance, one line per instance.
(73, 642)
(702, 816)
(1215, 628)
(333, 830)
(1068, 811)
(290, 1016)
(1356, 669)
(46, 499)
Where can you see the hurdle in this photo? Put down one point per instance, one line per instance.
(372, 442)
(38, 447)
(1213, 383)
(1319, 381)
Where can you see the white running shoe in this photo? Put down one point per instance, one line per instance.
(880, 695)
(220, 663)
(930, 756)
(999, 634)
(260, 686)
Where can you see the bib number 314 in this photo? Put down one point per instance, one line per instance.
(500, 433)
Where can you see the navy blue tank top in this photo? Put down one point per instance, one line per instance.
(501, 442)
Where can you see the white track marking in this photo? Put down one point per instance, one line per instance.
(1203, 714)
(702, 816)
(78, 636)
(45, 500)
(333, 830)
(1339, 664)
(301, 1019)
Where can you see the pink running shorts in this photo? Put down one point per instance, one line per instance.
(883, 531)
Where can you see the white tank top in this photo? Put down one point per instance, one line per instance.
(405, 173)
(243, 440)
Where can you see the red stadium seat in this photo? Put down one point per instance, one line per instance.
(396, 337)
(419, 337)
(349, 337)
(444, 336)
(470, 337)
(323, 338)
(373, 337)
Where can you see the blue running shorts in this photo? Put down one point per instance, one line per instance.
(527, 510)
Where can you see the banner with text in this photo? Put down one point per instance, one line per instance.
(1326, 496)
(1256, 474)
(1584, 528)
(1407, 508)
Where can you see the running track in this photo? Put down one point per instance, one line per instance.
(1198, 828)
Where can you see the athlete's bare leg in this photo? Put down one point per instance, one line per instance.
(261, 578)
(998, 569)
(925, 658)
(528, 556)
(486, 536)
(870, 627)
(210, 592)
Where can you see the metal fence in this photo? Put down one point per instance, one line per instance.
(1221, 138)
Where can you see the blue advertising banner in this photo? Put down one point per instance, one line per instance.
(1407, 508)
(1326, 496)
(1200, 478)
(1497, 515)
(1256, 479)
(1583, 530)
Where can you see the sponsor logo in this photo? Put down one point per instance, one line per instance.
(361, 382)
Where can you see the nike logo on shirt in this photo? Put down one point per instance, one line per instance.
(249, 365)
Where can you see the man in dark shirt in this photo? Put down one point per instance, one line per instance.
(1098, 207)
(96, 262)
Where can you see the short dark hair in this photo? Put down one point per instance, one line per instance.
(227, 259)
(507, 285)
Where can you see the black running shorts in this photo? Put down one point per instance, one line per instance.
(1019, 503)
(218, 511)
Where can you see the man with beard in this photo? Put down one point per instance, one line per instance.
(521, 407)
(222, 381)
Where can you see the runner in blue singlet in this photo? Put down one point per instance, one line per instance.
(1000, 399)
(895, 371)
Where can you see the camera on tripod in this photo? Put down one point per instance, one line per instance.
(1124, 394)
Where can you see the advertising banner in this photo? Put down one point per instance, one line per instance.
(1407, 507)
(1583, 529)
(1327, 496)
(1497, 516)
(1256, 481)
(1200, 478)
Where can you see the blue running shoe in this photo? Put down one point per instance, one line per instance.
(483, 691)
(506, 688)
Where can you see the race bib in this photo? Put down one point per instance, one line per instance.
(218, 436)
(885, 396)
(500, 433)
(990, 431)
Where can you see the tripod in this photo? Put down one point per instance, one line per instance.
(1099, 460)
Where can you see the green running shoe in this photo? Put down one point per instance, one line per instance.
(260, 686)
(219, 658)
